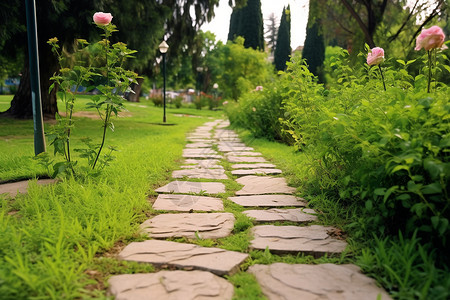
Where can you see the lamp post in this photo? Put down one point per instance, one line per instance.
(163, 47)
(215, 87)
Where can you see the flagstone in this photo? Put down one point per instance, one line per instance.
(186, 187)
(323, 281)
(253, 166)
(198, 145)
(200, 151)
(242, 153)
(190, 225)
(257, 185)
(276, 214)
(203, 156)
(268, 201)
(234, 148)
(231, 144)
(246, 159)
(13, 188)
(180, 255)
(200, 140)
(314, 240)
(202, 163)
(187, 203)
(261, 171)
(200, 173)
(167, 285)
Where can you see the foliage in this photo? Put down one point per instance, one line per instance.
(314, 49)
(385, 153)
(283, 47)
(247, 22)
(238, 69)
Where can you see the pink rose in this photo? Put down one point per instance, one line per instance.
(430, 38)
(375, 56)
(259, 88)
(102, 19)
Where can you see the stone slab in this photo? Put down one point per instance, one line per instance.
(276, 214)
(268, 201)
(198, 145)
(200, 140)
(205, 135)
(229, 139)
(231, 144)
(187, 187)
(200, 151)
(324, 281)
(190, 225)
(257, 185)
(242, 153)
(259, 171)
(253, 166)
(13, 188)
(200, 173)
(201, 156)
(313, 240)
(246, 159)
(202, 163)
(186, 203)
(169, 285)
(234, 148)
(157, 252)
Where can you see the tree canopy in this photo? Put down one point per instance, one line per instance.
(283, 47)
(247, 22)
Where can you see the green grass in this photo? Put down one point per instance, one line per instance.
(52, 237)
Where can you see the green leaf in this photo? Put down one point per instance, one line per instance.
(369, 205)
(433, 188)
(379, 191)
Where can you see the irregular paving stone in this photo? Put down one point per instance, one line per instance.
(180, 255)
(200, 151)
(256, 171)
(257, 185)
(13, 188)
(253, 166)
(275, 214)
(190, 225)
(199, 136)
(313, 240)
(231, 144)
(200, 140)
(205, 156)
(246, 159)
(223, 124)
(229, 139)
(167, 285)
(186, 187)
(268, 201)
(200, 173)
(242, 153)
(202, 163)
(187, 203)
(198, 145)
(234, 148)
(324, 281)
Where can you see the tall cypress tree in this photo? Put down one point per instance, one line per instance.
(248, 23)
(314, 49)
(283, 47)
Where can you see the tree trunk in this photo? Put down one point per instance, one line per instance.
(137, 90)
(21, 106)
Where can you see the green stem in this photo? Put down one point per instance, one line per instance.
(105, 125)
(382, 77)
(429, 70)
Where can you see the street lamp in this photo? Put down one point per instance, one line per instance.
(163, 47)
(215, 87)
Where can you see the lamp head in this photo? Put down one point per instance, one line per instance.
(163, 47)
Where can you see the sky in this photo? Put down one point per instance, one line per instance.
(299, 14)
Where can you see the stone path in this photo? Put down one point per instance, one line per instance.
(194, 210)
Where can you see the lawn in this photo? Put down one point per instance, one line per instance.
(53, 237)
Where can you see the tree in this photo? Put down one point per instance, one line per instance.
(247, 22)
(283, 48)
(271, 32)
(314, 49)
(238, 69)
(142, 23)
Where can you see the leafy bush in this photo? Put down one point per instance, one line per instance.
(157, 100)
(384, 152)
